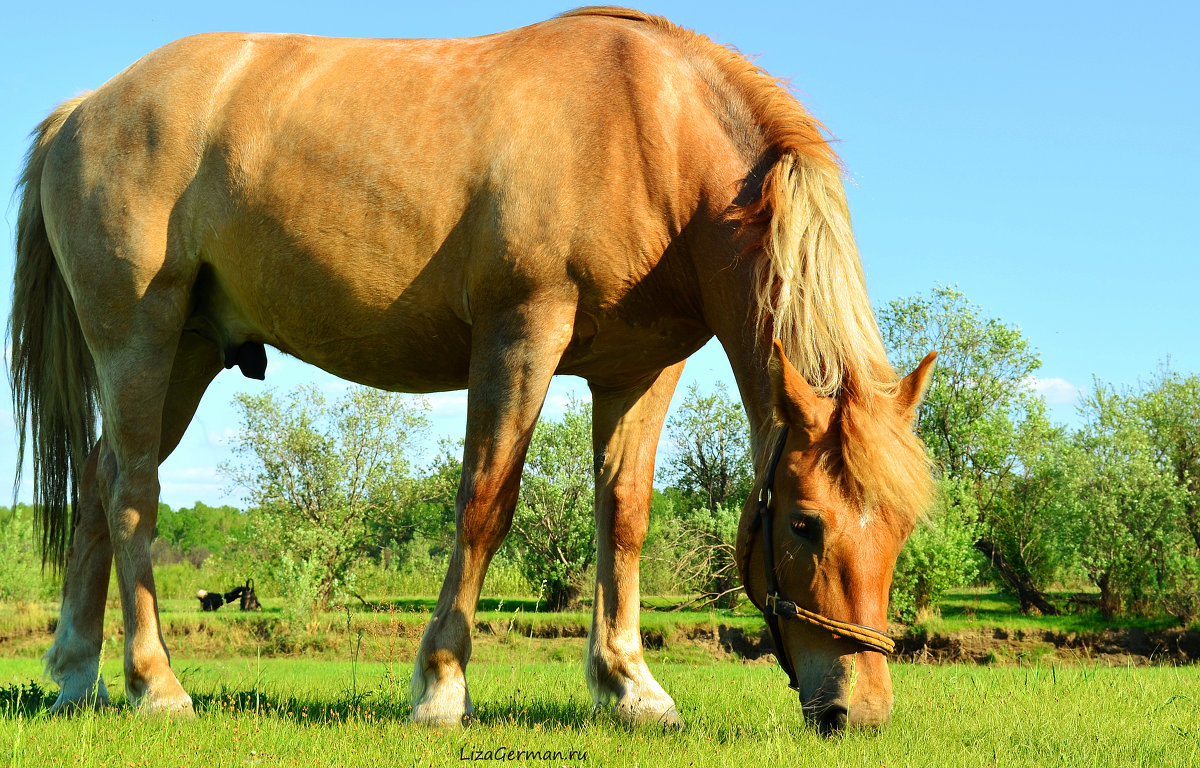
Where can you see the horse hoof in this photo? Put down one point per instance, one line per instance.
(641, 716)
(72, 705)
(176, 707)
(431, 717)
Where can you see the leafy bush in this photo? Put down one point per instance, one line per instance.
(21, 575)
(939, 555)
(553, 534)
(317, 473)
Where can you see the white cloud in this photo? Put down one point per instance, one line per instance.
(441, 403)
(1056, 391)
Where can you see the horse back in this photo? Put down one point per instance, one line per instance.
(408, 189)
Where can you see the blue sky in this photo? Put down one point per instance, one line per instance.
(1042, 157)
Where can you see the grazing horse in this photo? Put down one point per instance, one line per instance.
(595, 195)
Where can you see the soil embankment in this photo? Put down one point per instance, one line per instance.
(1119, 646)
(394, 636)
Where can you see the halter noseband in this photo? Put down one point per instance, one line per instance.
(775, 607)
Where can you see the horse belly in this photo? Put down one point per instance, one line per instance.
(362, 317)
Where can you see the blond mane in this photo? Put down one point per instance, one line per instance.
(811, 292)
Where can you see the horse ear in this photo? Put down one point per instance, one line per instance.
(912, 387)
(794, 401)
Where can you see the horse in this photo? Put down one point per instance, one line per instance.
(595, 195)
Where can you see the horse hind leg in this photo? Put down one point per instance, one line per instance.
(151, 412)
(73, 661)
(626, 426)
(512, 363)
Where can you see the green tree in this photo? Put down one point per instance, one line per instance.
(1131, 536)
(711, 472)
(1035, 507)
(938, 556)
(552, 537)
(710, 458)
(194, 533)
(22, 575)
(972, 417)
(316, 473)
(1170, 410)
(1170, 407)
(414, 525)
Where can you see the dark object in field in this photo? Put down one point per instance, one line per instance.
(244, 595)
(249, 600)
(211, 601)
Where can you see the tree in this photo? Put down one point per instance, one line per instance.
(194, 533)
(710, 461)
(973, 413)
(1126, 528)
(711, 469)
(1034, 508)
(938, 556)
(1170, 410)
(22, 575)
(552, 536)
(415, 523)
(315, 474)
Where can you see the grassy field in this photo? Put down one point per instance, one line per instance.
(297, 712)
(334, 693)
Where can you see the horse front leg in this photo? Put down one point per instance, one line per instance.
(626, 426)
(512, 362)
(73, 660)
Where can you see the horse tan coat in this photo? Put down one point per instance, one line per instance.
(595, 195)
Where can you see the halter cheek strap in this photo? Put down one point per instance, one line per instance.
(775, 607)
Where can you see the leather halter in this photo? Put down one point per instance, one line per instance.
(776, 607)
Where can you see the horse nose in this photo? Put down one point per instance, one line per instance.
(831, 719)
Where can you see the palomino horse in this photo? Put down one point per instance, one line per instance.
(595, 195)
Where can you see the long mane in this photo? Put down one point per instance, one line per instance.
(810, 288)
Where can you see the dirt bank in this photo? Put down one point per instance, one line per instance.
(396, 637)
(990, 646)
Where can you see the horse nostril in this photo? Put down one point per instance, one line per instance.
(831, 719)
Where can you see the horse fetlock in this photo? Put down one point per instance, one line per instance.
(74, 665)
(632, 697)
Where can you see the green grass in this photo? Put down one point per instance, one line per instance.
(342, 698)
(987, 609)
(297, 712)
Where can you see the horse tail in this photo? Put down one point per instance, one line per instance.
(52, 372)
(810, 283)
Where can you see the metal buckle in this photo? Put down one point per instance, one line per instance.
(772, 603)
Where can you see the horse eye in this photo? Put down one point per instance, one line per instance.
(806, 525)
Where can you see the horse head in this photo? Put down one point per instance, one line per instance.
(839, 495)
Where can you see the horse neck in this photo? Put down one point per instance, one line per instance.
(749, 362)
(731, 314)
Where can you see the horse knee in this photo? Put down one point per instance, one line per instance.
(485, 520)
